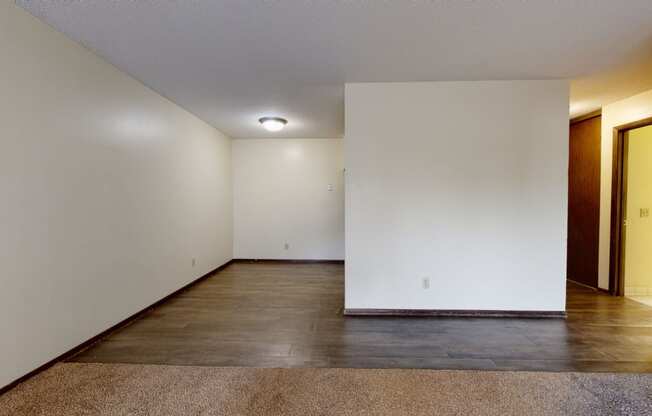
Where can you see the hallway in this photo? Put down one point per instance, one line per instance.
(272, 314)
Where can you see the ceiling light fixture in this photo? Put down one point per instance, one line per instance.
(273, 123)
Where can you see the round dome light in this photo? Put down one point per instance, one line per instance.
(273, 123)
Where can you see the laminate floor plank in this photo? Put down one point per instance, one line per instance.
(268, 314)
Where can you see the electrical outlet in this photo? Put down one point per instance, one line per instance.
(426, 283)
(330, 187)
(194, 262)
(286, 246)
(645, 212)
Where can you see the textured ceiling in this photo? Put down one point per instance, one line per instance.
(232, 61)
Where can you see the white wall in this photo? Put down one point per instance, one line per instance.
(281, 195)
(461, 182)
(108, 191)
(613, 115)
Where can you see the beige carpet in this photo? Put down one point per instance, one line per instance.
(124, 389)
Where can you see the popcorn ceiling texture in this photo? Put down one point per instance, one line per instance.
(126, 389)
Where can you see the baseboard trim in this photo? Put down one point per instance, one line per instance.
(582, 284)
(597, 289)
(90, 342)
(288, 261)
(442, 313)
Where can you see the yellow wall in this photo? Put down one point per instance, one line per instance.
(616, 114)
(638, 238)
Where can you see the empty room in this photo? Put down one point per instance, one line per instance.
(325, 207)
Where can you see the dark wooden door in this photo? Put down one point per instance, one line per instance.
(584, 201)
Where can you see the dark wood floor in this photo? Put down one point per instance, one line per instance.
(290, 315)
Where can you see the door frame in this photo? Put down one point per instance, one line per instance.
(618, 204)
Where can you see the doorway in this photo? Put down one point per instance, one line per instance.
(584, 200)
(631, 262)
